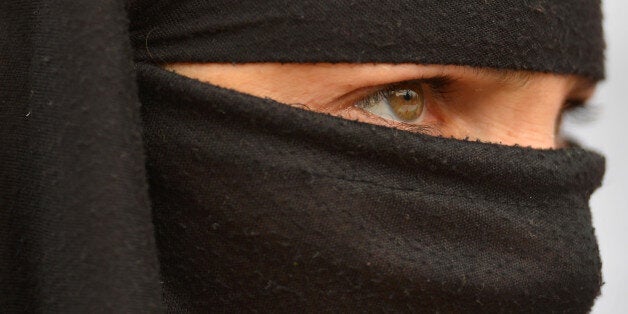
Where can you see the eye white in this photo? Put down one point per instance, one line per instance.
(400, 103)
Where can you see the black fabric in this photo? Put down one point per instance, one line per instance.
(262, 206)
(180, 196)
(76, 234)
(540, 35)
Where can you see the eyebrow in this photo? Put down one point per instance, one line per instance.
(506, 76)
(519, 78)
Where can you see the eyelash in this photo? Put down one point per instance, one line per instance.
(441, 87)
(432, 88)
(579, 110)
(575, 105)
(381, 96)
(438, 89)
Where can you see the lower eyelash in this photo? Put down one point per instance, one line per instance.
(372, 99)
(580, 111)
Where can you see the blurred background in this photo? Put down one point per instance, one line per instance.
(607, 132)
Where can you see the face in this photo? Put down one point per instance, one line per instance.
(497, 106)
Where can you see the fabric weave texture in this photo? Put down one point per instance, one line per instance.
(537, 35)
(259, 206)
(127, 188)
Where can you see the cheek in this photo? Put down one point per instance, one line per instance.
(526, 117)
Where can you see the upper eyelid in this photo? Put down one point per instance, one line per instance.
(577, 105)
(440, 84)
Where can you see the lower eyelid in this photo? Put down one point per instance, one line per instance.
(382, 96)
(352, 105)
(427, 124)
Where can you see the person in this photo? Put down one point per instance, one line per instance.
(337, 156)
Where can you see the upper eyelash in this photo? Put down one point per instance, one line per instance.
(439, 85)
(574, 104)
(372, 98)
(579, 110)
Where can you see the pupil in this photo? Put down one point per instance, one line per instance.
(407, 95)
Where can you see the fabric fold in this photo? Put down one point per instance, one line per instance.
(76, 233)
(535, 35)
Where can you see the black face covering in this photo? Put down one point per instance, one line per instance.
(538, 35)
(127, 188)
(261, 206)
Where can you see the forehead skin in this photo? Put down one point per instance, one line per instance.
(507, 107)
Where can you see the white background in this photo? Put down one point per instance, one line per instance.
(608, 133)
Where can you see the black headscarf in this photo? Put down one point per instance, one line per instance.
(127, 188)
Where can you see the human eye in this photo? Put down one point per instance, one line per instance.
(404, 102)
(412, 105)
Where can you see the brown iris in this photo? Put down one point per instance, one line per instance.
(406, 102)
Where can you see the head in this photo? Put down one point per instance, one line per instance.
(366, 216)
